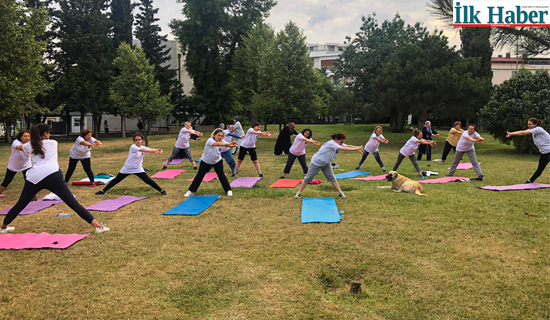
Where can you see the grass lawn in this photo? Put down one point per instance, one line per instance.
(459, 253)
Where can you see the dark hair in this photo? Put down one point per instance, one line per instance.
(338, 136)
(256, 124)
(416, 132)
(85, 132)
(473, 125)
(21, 133)
(310, 133)
(536, 121)
(138, 134)
(457, 123)
(37, 131)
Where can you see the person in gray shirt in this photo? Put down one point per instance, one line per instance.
(238, 130)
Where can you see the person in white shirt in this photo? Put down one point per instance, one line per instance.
(298, 150)
(181, 148)
(19, 160)
(226, 152)
(212, 158)
(134, 165)
(238, 131)
(541, 138)
(466, 146)
(248, 145)
(81, 152)
(322, 159)
(409, 149)
(45, 174)
(372, 147)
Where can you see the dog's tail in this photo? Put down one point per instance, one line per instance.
(421, 194)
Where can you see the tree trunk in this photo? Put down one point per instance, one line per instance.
(67, 123)
(397, 120)
(8, 132)
(265, 126)
(96, 123)
(123, 126)
(144, 132)
(82, 117)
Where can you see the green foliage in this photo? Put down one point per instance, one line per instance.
(345, 102)
(524, 96)
(122, 20)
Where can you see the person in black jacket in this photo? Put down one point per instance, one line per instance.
(427, 133)
(283, 141)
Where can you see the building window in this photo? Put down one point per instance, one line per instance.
(313, 48)
(514, 73)
(331, 48)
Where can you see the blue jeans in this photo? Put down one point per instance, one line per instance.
(229, 159)
(376, 155)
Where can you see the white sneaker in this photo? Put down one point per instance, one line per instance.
(8, 229)
(229, 193)
(298, 195)
(188, 194)
(105, 229)
(342, 195)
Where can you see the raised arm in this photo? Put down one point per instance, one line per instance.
(517, 133)
(151, 150)
(225, 144)
(312, 141)
(262, 133)
(234, 135)
(191, 131)
(352, 148)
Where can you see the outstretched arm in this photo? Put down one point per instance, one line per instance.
(517, 133)
(151, 150)
(312, 141)
(191, 131)
(225, 144)
(352, 148)
(429, 142)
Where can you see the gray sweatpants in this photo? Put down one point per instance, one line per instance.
(313, 170)
(473, 160)
(400, 158)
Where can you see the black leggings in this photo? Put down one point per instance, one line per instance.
(446, 150)
(86, 164)
(142, 175)
(543, 162)
(9, 177)
(290, 162)
(203, 170)
(54, 182)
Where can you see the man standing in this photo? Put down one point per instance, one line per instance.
(238, 130)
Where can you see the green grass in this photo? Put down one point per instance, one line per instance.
(459, 253)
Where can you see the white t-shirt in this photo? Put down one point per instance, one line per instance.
(410, 147)
(326, 153)
(19, 160)
(299, 146)
(135, 160)
(250, 139)
(183, 139)
(464, 144)
(41, 168)
(211, 154)
(372, 144)
(227, 138)
(79, 151)
(541, 138)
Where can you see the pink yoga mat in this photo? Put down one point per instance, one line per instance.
(34, 207)
(443, 180)
(208, 177)
(2, 195)
(515, 187)
(114, 204)
(173, 162)
(167, 174)
(39, 240)
(247, 182)
(380, 177)
(464, 166)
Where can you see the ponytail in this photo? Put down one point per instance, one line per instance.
(536, 121)
(37, 131)
(338, 136)
(416, 132)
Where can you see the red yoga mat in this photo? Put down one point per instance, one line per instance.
(83, 183)
(286, 183)
(38, 240)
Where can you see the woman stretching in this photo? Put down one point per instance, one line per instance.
(134, 164)
(226, 152)
(19, 161)
(541, 138)
(409, 149)
(452, 140)
(372, 147)
(298, 150)
(181, 148)
(466, 145)
(45, 174)
(249, 146)
(322, 159)
(211, 157)
(81, 152)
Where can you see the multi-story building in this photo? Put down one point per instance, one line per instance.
(325, 55)
(506, 67)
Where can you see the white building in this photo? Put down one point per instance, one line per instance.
(325, 55)
(506, 67)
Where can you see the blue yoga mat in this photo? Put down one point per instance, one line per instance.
(351, 174)
(319, 210)
(193, 206)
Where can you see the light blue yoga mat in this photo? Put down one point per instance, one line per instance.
(319, 210)
(193, 206)
(351, 174)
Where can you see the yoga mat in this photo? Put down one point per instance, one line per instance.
(83, 183)
(208, 177)
(319, 210)
(444, 180)
(19, 241)
(380, 177)
(351, 174)
(193, 206)
(515, 187)
(34, 207)
(318, 181)
(114, 204)
(174, 161)
(464, 166)
(98, 181)
(247, 182)
(2, 195)
(286, 183)
(167, 174)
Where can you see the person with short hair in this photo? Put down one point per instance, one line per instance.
(19, 160)
(182, 147)
(322, 159)
(452, 140)
(238, 130)
(298, 151)
(427, 132)
(248, 145)
(283, 140)
(226, 151)
(81, 152)
(372, 147)
(541, 138)
(466, 146)
(408, 150)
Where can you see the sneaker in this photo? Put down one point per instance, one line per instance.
(233, 175)
(335, 166)
(194, 168)
(383, 169)
(528, 181)
(100, 193)
(105, 229)
(163, 193)
(8, 229)
(422, 176)
(261, 176)
(357, 168)
(229, 193)
(164, 168)
(282, 177)
(298, 195)
(188, 194)
(342, 195)
(92, 185)
(477, 179)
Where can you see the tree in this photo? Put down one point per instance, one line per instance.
(135, 91)
(513, 102)
(122, 20)
(21, 78)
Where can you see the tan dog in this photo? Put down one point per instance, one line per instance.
(401, 183)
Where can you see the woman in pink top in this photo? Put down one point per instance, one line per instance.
(298, 150)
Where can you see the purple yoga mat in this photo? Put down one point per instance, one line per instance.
(168, 174)
(38, 240)
(34, 207)
(380, 177)
(114, 204)
(173, 162)
(514, 187)
(443, 180)
(464, 166)
(247, 182)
